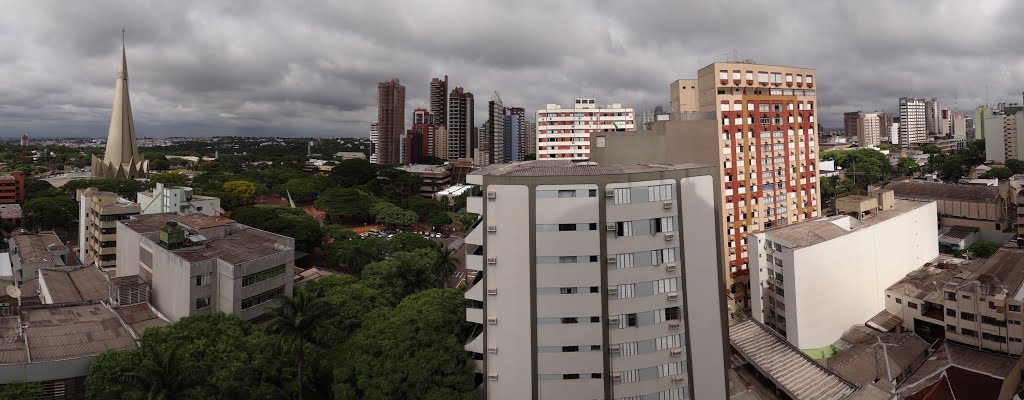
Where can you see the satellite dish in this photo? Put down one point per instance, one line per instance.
(13, 291)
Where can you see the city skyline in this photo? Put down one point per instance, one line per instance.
(200, 70)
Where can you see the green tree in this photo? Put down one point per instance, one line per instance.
(390, 214)
(438, 219)
(409, 242)
(243, 190)
(49, 212)
(418, 344)
(465, 219)
(445, 263)
(1017, 166)
(346, 203)
(159, 164)
(983, 248)
(403, 274)
(286, 221)
(394, 185)
(997, 173)
(422, 206)
(353, 172)
(33, 187)
(169, 178)
(930, 149)
(127, 188)
(20, 390)
(302, 189)
(907, 166)
(104, 372)
(164, 374)
(298, 321)
(334, 232)
(355, 254)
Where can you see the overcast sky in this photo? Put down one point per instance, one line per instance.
(304, 68)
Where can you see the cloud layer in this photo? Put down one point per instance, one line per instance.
(263, 67)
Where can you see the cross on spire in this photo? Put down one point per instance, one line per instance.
(122, 36)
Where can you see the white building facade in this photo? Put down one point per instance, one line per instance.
(584, 289)
(179, 200)
(564, 133)
(912, 121)
(811, 281)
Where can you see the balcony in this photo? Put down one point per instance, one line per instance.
(476, 292)
(476, 236)
(475, 315)
(474, 262)
(476, 345)
(475, 204)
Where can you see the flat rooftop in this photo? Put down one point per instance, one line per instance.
(566, 168)
(943, 191)
(33, 248)
(246, 245)
(820, 230)
(1001, 273)
(139, 317)
(84, 284)
(926, 283)
(10, 211)
(58, 333)
(147, 223)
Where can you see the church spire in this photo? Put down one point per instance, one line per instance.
(122, 158)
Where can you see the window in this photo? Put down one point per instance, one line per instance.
(563, 194)
(964, 296)
(262, 298)
(992, 321)
(593, 289)
(672, 313)
(659, 192)
(595, 375)
(261, 276)
(570, 376)
(204, 279)
(622, 196)
(566, 227)
(202, 302)
(592, 193)
(1013, 308)
(993, 338)
(570, 320)
(966, 316)
(899, 301)
(595, 347)
(950, 312)
(631, 319)
(950, 296)
(595, 320)
(568, 290)
(912, 305)
(951, 328)
(570, 349)
(968, 332)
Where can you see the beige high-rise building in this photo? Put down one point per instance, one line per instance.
(597, 282)
(868, 130)
(98, 213)
(757, 124)
(683, 96)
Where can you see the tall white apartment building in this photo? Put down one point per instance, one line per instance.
(597, 282)
(565, 132)
(912, 121)
(811, 281)
(374, 141)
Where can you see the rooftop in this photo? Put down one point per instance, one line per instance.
(33, 248)
(10, 211)
(877, 357)
(943, 191)
(926, 283)
(565, 168)
(794, 372)
(83, 284)
(810, 233)
(139, 317)
(1001, 273)
(246, 245)
(147, 223)
(59, 333)
(955, 372)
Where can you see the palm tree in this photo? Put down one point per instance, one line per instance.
(445, 263)
(163, 375)
(297, 321)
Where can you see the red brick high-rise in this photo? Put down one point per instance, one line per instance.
(12, 188)
(390, 120)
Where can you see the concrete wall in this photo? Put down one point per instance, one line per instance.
(668, 142)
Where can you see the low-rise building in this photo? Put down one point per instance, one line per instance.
(98, 213)
(11, 213)
(977, 304)
(33, 251)
(12, 188)
(199, 263)
(179, 200)
(350, 155)
(956, 372)
(812, 280)
(435, 177)
(987, 208)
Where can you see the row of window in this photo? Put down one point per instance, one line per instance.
(564, 194)
(645, 226)
(680, 393)
(557, 377)
(261, 298)
(565, 259)
(568, 320)
(648, 317)
(568, 349)
(261, 276)
(566, 227)
(643, 289)
(769, 77)
(651, 345)
(643, 193)
(645, 258)
(568, 290)
(649, 373)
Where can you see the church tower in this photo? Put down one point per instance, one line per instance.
(122, 158)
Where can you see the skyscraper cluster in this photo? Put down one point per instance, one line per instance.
(447, 129)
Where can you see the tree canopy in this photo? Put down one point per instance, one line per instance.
(286, 221)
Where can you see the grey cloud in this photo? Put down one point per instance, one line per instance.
(311, 68)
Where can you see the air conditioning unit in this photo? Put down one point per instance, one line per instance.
(609, 226)
(612, 259)
(492, 260)
(669, 267)
(676, 352)
(492, 320)
(492, 377)
(672, 296)
(670, 236)
(616, 376)
(492, 292)
(673, 324)
(609, 192)
(667, 205)
(492, 195)
(679, 379)
(492, 228)
(613, 290)
(614, 348)
(492, 349)
(614, 320)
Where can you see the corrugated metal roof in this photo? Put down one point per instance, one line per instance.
(944, 191)
(794, 372)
